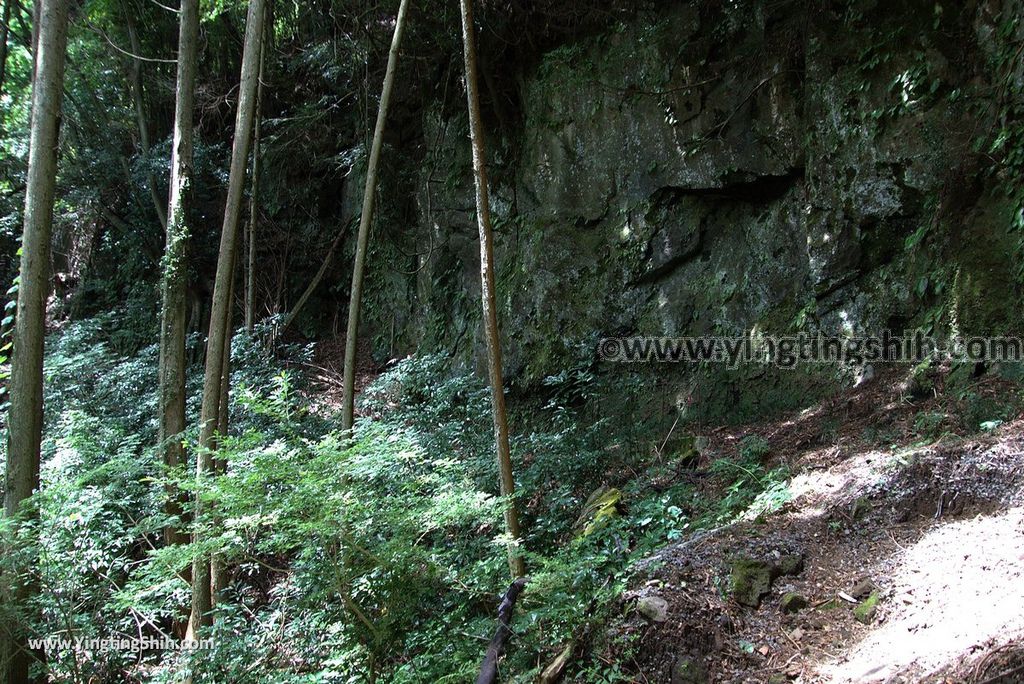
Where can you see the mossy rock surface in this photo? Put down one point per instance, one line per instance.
(793, 603)
(751, 580)
(790, 564)
(865, 611)
(689, 670)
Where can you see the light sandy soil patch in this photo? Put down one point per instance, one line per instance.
(955, 592)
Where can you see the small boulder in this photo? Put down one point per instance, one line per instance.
(790, 564)
(865, 374)
(689, 671)
(866, 609)
(920, 382)
(654, 608)
(863, 588)
(751, 580)
(793, 603)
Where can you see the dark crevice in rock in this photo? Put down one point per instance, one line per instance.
(667, 268)
(837, 284)
(758, 189)
(676, 242)
(746, 187)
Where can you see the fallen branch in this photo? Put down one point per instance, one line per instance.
(489, 669)
(311, 288)
(554, 671)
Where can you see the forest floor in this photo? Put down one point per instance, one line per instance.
(909, 550)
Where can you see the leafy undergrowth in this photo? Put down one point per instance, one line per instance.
(383, 558)
(379, 558)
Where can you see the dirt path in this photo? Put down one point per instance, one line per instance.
(912, 557)
(954, 593)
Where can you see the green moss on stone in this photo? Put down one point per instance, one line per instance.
(865, 611)
(750, 581)
(793, 603)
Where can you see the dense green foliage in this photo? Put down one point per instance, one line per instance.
(385, 555)
(382, 558)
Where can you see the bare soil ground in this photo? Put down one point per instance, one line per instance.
(932, 525)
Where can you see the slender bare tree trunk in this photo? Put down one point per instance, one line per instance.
(3, 42)
(218, 569)
(369, 194)
(142, 121)
(219, 314)
(250, 267)
(483, 213)
(223, 415)
(174, 285)
(25, 420)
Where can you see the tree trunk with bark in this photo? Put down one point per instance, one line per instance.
(489, 668)
(219, 314)
(250, 266)
(369, 194)
(25, 420)
(142, 121)
(490, 309)
(4, 30)
(174, 283)
(218, 569)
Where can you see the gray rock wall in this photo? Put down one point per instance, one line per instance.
(716, 168)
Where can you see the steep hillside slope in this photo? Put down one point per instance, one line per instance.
(895, 555)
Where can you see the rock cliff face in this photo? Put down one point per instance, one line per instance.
(719, 168)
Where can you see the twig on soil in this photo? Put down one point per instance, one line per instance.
(795, 645)
(983, 663)
(661, 449)
(1007, 673)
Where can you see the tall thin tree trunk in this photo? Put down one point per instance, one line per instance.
(4, 29)
(174, 285)
(223, 415)
(369, 193)
(25, 420)
(218, 569)
(254, 204)
(219, 314)
(490, 309)
(142, 121)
